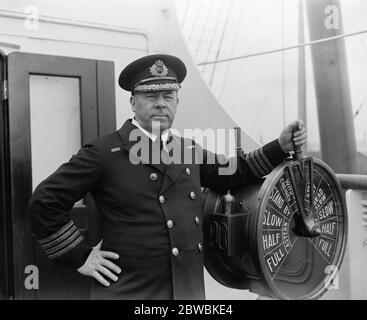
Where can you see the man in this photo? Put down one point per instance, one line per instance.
(151, 219)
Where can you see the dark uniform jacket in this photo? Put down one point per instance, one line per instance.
(151, 214)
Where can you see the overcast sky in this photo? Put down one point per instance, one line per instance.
(254, 85)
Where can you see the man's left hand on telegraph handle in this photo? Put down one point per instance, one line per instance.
(293, 135)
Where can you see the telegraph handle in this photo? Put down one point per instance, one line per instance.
(238, 141)
(310, 228)
(298, 154)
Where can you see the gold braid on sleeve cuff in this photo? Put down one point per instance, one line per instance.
(258, 163)
(62, 241)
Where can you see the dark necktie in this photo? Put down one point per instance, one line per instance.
(161, 145)
(159, 142)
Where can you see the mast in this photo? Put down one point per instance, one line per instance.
(337, 136)
(302, 113)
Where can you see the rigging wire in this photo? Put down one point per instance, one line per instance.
(185, 13)
(232, 48)
(195, 22)
(261, 109)
(229, 12)
(203, 30)
(361, 106)
(359, 61)
(287, 48)
(251, 46)
(346, 13)
(347, 17)
(215, 30)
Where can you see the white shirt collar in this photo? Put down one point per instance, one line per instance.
(151, 135)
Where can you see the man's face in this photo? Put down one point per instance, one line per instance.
(155, 106)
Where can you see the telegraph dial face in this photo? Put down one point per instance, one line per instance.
(296, 266)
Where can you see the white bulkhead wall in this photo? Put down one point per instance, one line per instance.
(119, 31)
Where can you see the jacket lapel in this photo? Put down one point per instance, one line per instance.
(140, 147)
(174, 170)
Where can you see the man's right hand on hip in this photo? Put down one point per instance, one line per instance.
(98, 266)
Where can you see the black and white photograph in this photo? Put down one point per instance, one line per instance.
(194, 151)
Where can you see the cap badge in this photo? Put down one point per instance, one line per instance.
(158, 69)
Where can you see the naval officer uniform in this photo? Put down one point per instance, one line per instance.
(151, 213)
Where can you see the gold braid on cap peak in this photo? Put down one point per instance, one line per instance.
(156, 87)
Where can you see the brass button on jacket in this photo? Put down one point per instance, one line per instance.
(153, 176)
(170, 224)
(192, 195)
(162, 199)
(200, 246)
(175, 252)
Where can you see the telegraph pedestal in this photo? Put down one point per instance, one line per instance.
(283, 237)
